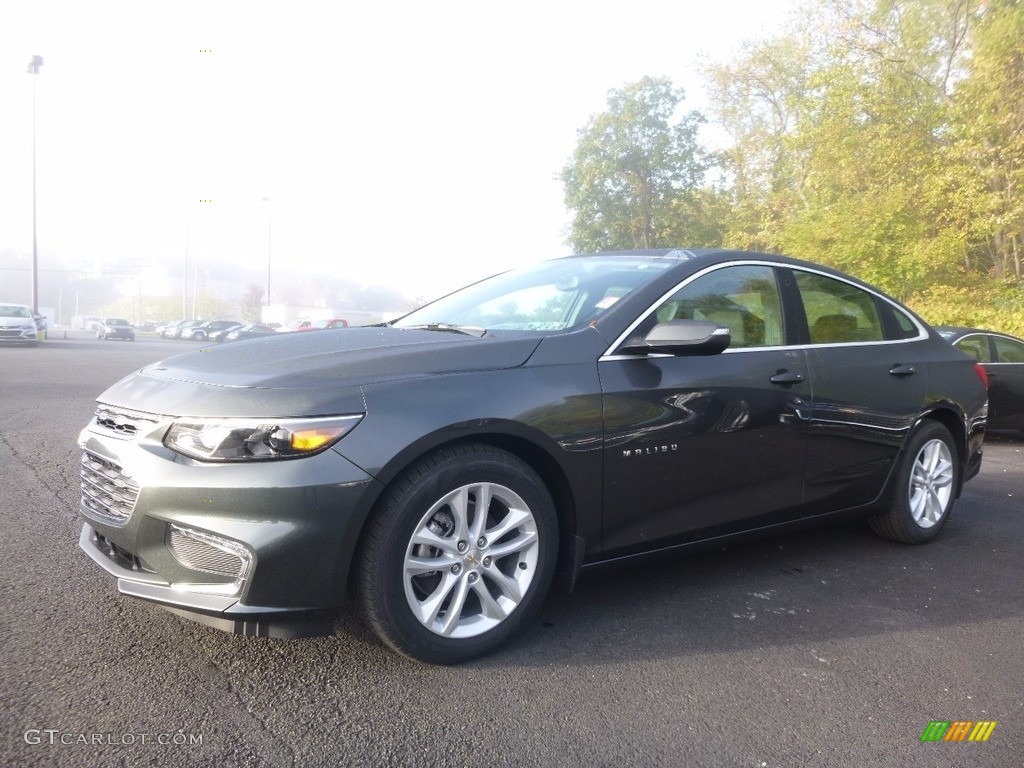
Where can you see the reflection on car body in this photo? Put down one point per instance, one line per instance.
(548, 420)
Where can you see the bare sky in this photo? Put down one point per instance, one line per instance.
(412, 144)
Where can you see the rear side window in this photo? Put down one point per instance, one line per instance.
(975, 346)
(837, 312)
(1009, 350)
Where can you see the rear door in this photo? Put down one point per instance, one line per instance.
(868, 364)
(1006, 375)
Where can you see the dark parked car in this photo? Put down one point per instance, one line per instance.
(248, 331)
(115, 328)
(448, 465)
(1002, 357)
(221, 335)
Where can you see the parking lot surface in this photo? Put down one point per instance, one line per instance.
(829, 647)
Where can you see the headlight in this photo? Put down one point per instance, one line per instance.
(256, 439)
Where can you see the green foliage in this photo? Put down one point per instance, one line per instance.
(998, 307)
(635, 178)
(884, 137)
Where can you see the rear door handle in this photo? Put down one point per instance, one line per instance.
(903, 370)
(786, 377)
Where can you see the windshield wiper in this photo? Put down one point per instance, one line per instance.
(468, 330)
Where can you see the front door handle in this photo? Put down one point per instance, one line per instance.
(903, 370)
(786, 377)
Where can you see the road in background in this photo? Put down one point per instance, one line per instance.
(825, 648)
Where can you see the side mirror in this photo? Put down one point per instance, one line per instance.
(681, 337)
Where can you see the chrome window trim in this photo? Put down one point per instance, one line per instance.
(609, 353)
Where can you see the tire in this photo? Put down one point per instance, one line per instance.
(425, 550)
(926, 487)
(100, 336)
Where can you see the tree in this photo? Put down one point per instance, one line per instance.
(839, 130)
(985, 171)
(635, 177)
(252, 303)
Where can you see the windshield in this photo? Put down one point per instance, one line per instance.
(13, 311)
(550, 296)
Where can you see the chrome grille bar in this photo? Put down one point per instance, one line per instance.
(123, 423)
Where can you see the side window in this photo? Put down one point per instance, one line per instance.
(745, 298)
(1008, 350)
(905, 327)
(976, 347)
(837, 312)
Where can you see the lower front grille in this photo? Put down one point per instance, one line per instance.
(119, 555)
(107, 493)
(208, 553)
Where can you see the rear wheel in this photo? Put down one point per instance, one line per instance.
(926, 487)
(459, 555)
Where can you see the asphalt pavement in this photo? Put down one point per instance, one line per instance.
(829, 647)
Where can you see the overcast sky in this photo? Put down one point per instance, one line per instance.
(412, 144)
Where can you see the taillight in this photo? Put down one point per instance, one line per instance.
(982, 373)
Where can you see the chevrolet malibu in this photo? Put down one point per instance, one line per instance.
(447, 467)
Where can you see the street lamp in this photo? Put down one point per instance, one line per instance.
(33, 69)
(269, 209)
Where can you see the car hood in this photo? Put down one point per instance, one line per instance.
(306, 373)
(15, 322)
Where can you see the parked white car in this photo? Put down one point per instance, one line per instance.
(17, 325)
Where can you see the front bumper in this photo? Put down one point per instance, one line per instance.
(19, 335)
(288, 528)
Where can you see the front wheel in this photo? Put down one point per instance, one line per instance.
(459, 554)
(926, 486)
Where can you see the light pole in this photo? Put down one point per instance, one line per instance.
(269, 210)
(184, 272)
(33, 69)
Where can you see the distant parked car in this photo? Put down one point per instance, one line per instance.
(296, 325)
(202, 331)
(221, 335)
(250, 331)
(164, 329)
(40, 322)
(322, 325)
(17, 326)
(175, 331)
(115, 328)
(1002, 357)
